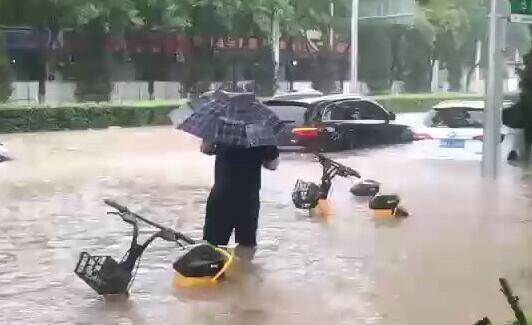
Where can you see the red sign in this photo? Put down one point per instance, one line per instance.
(175, 43)
(74, 42)
(171, 43)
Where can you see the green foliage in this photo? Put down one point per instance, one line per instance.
(444, 30)
(92, 81)
(325, 73)
(81, 116)
(415, 53)
(5, 73)
(111, 12)
(263, 72)
(375, 62)
(91, 69)
(458, 25)
(308, 14)
(34, 12)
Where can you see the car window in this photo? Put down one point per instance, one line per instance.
(292, 113)
(371, 111)
(340, 112)
(354, 110)
(456, 117)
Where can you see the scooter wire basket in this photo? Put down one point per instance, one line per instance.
(103, 274)
(305, 195)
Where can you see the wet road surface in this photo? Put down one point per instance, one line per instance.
(440, 266)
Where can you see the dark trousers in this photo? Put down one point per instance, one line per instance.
(528, 145)
(228, 211)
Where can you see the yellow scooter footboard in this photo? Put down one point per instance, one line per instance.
(324, 209)
(181, 281)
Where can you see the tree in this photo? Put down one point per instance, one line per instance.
(375, 56)
(315, 15)
(38, 14)
(228, 17)
(94, 20)
(389, 51)
(459, 24)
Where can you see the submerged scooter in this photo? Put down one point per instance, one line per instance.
(313, 197)
(200, 264)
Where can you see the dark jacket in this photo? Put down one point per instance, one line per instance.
(239, 169)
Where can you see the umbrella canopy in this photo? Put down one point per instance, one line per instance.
(180, 114)
(239, 120)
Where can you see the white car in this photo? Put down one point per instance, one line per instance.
(3, 153)
(455, 128)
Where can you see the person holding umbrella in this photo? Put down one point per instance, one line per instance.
(241, 132)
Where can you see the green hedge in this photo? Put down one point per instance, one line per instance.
(82, 116)
(419, 102)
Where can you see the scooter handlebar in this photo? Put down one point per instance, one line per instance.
(120, 208)
(350, 172)
(166, 233)
(343, 170)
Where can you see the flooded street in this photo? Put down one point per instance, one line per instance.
(440, 266)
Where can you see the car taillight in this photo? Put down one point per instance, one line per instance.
(306, 133)
(422, 136)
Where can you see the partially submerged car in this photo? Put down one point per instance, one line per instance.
(456, 126)
(337, 122)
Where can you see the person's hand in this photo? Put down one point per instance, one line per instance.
(207, 148)
(271, 164)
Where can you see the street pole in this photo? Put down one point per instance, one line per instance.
(353, 84)
(491, 150)
(331, 29)
(275, 46)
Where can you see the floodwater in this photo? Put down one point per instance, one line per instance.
(440, 266)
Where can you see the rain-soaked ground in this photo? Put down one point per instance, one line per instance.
(440, 266)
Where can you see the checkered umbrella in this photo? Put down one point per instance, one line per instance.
(239, 120)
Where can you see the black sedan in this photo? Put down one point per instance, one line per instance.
(338, 122)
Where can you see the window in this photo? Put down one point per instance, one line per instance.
(456, 117)
(340, 112)
(371, 111)
(354, 110)
(291, 114)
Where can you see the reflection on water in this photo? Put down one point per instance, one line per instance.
(440, 265)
